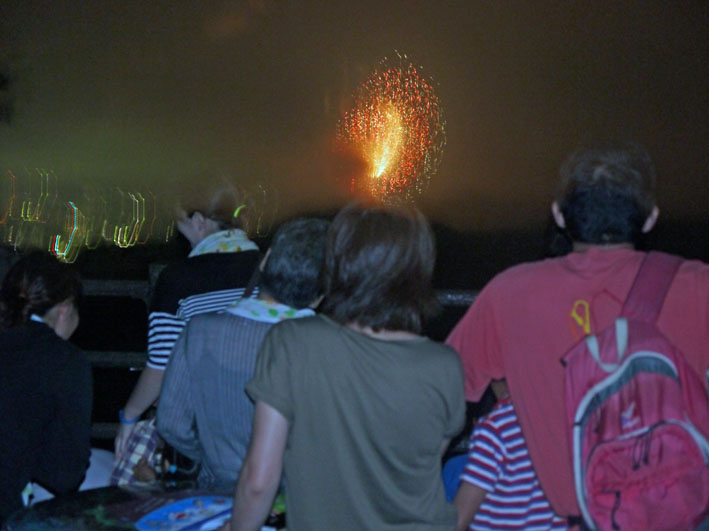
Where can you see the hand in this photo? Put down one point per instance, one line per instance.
(119, 445)
(143, 472)
(145, 393)
(226, 526)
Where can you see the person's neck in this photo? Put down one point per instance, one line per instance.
(384, 335)
(580, 247)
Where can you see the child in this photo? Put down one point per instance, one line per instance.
(499, 487)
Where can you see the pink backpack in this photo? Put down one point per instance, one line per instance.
(639, 418)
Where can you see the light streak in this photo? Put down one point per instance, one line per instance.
(11, 199)
(54, 245)
(149, 230)
(96, 220)
(126, 235)
(33, 215)
(35, 212)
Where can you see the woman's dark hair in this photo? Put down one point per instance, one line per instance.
(378, 266)
(292, 270)
(607, 193)
(33, 285)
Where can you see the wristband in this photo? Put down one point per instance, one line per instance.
(124, 420)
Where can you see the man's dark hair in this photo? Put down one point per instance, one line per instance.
(292, 270)
(378, 266)
(607, 193)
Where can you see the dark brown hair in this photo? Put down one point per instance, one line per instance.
(378, 266)
(34, 284)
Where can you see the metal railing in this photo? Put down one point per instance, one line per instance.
(139, 289)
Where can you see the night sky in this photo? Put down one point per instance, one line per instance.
(154, 93)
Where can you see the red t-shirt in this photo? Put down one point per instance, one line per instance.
(527, 317)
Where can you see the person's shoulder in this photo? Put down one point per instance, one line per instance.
(172, 269)
(68, 356)
(174, 276)
(207, 319)
(202, 274)
(314, 324)
(439, 350)
(219, 260)
(696, 268)
(444, 358)
(222, 321)
(35, 347)
(304, 330)
(526, 270)
(203, 262)
(501, 415)
(524, 276)
(204, 322)
(691, 283)
(16, 342)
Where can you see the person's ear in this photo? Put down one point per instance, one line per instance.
(558, 216)
(651, 220)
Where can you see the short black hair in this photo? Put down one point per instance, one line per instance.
(378, 266)
(607, 193)
(292, 270)
(33, 285)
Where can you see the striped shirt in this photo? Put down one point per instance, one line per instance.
(199, 284)
(164, 328)
(498, 462)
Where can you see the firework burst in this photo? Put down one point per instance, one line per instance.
(396, 126)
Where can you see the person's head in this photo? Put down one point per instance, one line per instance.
(39, 284)
(378, 266)
(607, 195)
(293, 262)
(202, 214)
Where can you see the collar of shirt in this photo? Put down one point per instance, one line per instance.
(268, 312)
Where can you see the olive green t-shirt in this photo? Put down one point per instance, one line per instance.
(367, 421)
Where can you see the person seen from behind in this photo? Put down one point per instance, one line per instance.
(353, 405)
(214, 275)
(203, 411)
(530, 315)
(45, 382)
(499, 488)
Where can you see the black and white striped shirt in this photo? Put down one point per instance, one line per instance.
(200, 284)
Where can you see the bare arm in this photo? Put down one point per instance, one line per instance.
(144, 395)
(261, 473)
(468, 500)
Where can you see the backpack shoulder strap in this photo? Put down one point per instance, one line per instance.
(651, 284)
